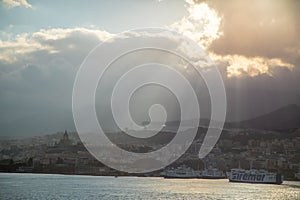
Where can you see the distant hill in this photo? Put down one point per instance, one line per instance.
(287, 117)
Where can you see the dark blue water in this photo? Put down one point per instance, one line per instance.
(46, 186)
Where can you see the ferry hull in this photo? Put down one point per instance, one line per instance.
(193, 177)
(237, 181)
(244, 176)
(213, 177)
(180, 177)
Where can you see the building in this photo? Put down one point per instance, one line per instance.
(65, 141)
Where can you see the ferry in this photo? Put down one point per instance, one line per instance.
(212, 174)
(181, 172)
(254, 176)
(187, 172)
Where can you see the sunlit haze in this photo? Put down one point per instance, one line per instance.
(255, 45)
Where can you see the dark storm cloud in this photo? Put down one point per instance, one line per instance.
(37, 70)
(258, 54)
(36, 80)
(259, 28)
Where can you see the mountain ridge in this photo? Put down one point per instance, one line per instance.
(286, 117)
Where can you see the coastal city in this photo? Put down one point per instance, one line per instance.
(64, 153)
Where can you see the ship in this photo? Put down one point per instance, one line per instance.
(187, 172)
(212, 174)
(254, 176)
(181, 172)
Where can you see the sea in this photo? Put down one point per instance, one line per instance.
(49, 186)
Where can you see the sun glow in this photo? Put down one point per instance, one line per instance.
(202, 24)
(238, 65)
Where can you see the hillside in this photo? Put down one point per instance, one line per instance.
(287, 117)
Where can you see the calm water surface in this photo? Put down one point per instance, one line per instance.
(46, 186)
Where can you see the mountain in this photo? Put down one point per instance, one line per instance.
(287, 117)
(284, 118)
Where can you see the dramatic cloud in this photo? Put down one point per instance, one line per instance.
(238, 65)
(37, 75)
(15, 3)
(50, 41)
(255, 44)
(251, 29)
(251, 37)
(258, 28)
(202, 23)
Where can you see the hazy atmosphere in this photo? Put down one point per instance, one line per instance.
(150, 99)
(255, 44)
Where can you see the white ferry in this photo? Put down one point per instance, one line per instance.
(212, 174)
(254, 176)
(181, 172)
(187, 172)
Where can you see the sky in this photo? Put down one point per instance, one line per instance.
(255, 45)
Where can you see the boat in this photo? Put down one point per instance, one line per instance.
(254, 176)
(181, 172)
(187, 172)
(25, 169)
(212, 174)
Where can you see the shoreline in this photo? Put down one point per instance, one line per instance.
(120, 176)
